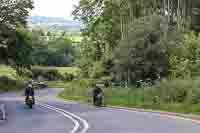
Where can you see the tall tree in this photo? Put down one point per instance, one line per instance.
(101, 20)
(101, 30)
(14, 39)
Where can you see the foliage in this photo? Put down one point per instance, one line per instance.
(55, 73)
(47, 74)
(8, 72)
(146, 54)
(52, 51)
(161, 57)
(67, 77)
(97, 70)
(15, 42)
(77, 89)
(7, 84)
(184, 59)
(177, 95)
(101, 33)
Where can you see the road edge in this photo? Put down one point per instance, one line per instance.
(189, 117)
(72, 116)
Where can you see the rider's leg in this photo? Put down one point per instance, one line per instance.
(26, 98)
(33, 99)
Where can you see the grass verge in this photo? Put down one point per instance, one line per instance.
(178, 95)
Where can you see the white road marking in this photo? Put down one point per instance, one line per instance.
(77, 125)
(163, 115)
(84, 122)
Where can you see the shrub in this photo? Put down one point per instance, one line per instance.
(52, 74)
(67, 77)
(97, 70)
(107, 81)
(184, 59)
(24, 73)
(48, 74)
(7, 84)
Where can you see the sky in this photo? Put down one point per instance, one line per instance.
(54, 8)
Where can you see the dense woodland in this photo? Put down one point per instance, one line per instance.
(136, 40)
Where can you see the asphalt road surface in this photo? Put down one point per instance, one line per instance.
(49, 116)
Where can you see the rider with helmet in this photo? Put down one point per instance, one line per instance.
(98, 94)
(29, 91)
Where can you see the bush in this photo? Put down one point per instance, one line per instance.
(97, 70)
(7, 84)
(185, 59)
(77, 89)
(177, 95)
(52, 74)
(67, 77)
(48, 74)
(24, 73)
(107, 81)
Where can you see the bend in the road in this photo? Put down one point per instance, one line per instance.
(76, 119)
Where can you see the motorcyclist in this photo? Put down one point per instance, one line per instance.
(29, 91)
(97, 90)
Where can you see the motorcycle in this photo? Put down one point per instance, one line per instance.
(29, 102)
(99, 100)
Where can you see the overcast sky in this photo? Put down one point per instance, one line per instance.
(54, 8)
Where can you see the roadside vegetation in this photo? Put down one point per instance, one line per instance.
(177, 95)
(152, 62)
(10, 80)
(23, 49)
(145, 59)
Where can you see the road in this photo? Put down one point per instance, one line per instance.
(49, 117)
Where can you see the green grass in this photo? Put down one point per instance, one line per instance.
(9, 80)
(57, 84)
(178, 95)
(76, 38)
(70, 70)
(7, 71)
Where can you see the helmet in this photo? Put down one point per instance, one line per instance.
(30, 85)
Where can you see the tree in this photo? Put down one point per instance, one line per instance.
(53, 52)
(102, 29)
(14, 38)
(146, 54)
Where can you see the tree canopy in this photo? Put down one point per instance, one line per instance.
(15, 41)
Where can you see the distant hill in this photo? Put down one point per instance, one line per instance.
(54, 23)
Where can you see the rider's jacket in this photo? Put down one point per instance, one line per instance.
(29, 91)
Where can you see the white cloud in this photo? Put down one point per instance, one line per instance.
(54, 8)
